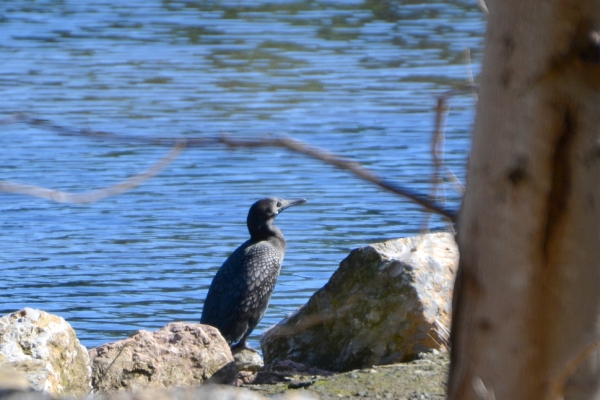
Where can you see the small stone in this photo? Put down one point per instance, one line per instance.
(247, 360)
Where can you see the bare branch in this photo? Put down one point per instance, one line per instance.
(345, 164)
(102, 135)
(286, 143)
(90, 197)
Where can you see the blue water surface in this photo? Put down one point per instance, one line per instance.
(357, 78)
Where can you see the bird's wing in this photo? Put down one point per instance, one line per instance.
(242, 286)
(263, 262)
(226, 290)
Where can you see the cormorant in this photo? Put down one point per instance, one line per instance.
(240, 291)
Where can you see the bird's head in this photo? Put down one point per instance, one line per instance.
(263, 212)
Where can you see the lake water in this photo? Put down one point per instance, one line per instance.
(357, 78)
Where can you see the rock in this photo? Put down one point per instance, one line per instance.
(245, 378)
(248, 363)
(386, 303)
(281, 371)
(12, 380)
(32, 395)
(287, 371)
(45, 347)
(247, 360)
(180, 354)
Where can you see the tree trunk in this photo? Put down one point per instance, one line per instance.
(527, 294)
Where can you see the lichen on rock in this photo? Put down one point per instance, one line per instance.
(45, 347)
(386, 303)
(179, 354)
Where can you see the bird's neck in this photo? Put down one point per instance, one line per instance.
(266, 231)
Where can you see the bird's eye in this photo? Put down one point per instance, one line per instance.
(278, 204)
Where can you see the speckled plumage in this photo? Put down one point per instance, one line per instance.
(240, 292)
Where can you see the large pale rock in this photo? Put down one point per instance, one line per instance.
(180, 354)
(44, 347)
(13, 380)
(386, 303)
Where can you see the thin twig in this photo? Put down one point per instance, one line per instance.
(110, 365)
(90, 197)
(557, 385)
(437, 152)
(482, 392)
(103, 135)
(483, 7)
(443, 334)
(470, 79)
(458, 185)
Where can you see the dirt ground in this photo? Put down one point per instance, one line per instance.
(424, 378)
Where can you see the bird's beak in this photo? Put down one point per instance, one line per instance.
(289, 203)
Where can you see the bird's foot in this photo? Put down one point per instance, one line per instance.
(241, 346)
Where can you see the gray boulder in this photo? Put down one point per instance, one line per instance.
(180, 354)
(45, 348)
(386, 303)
